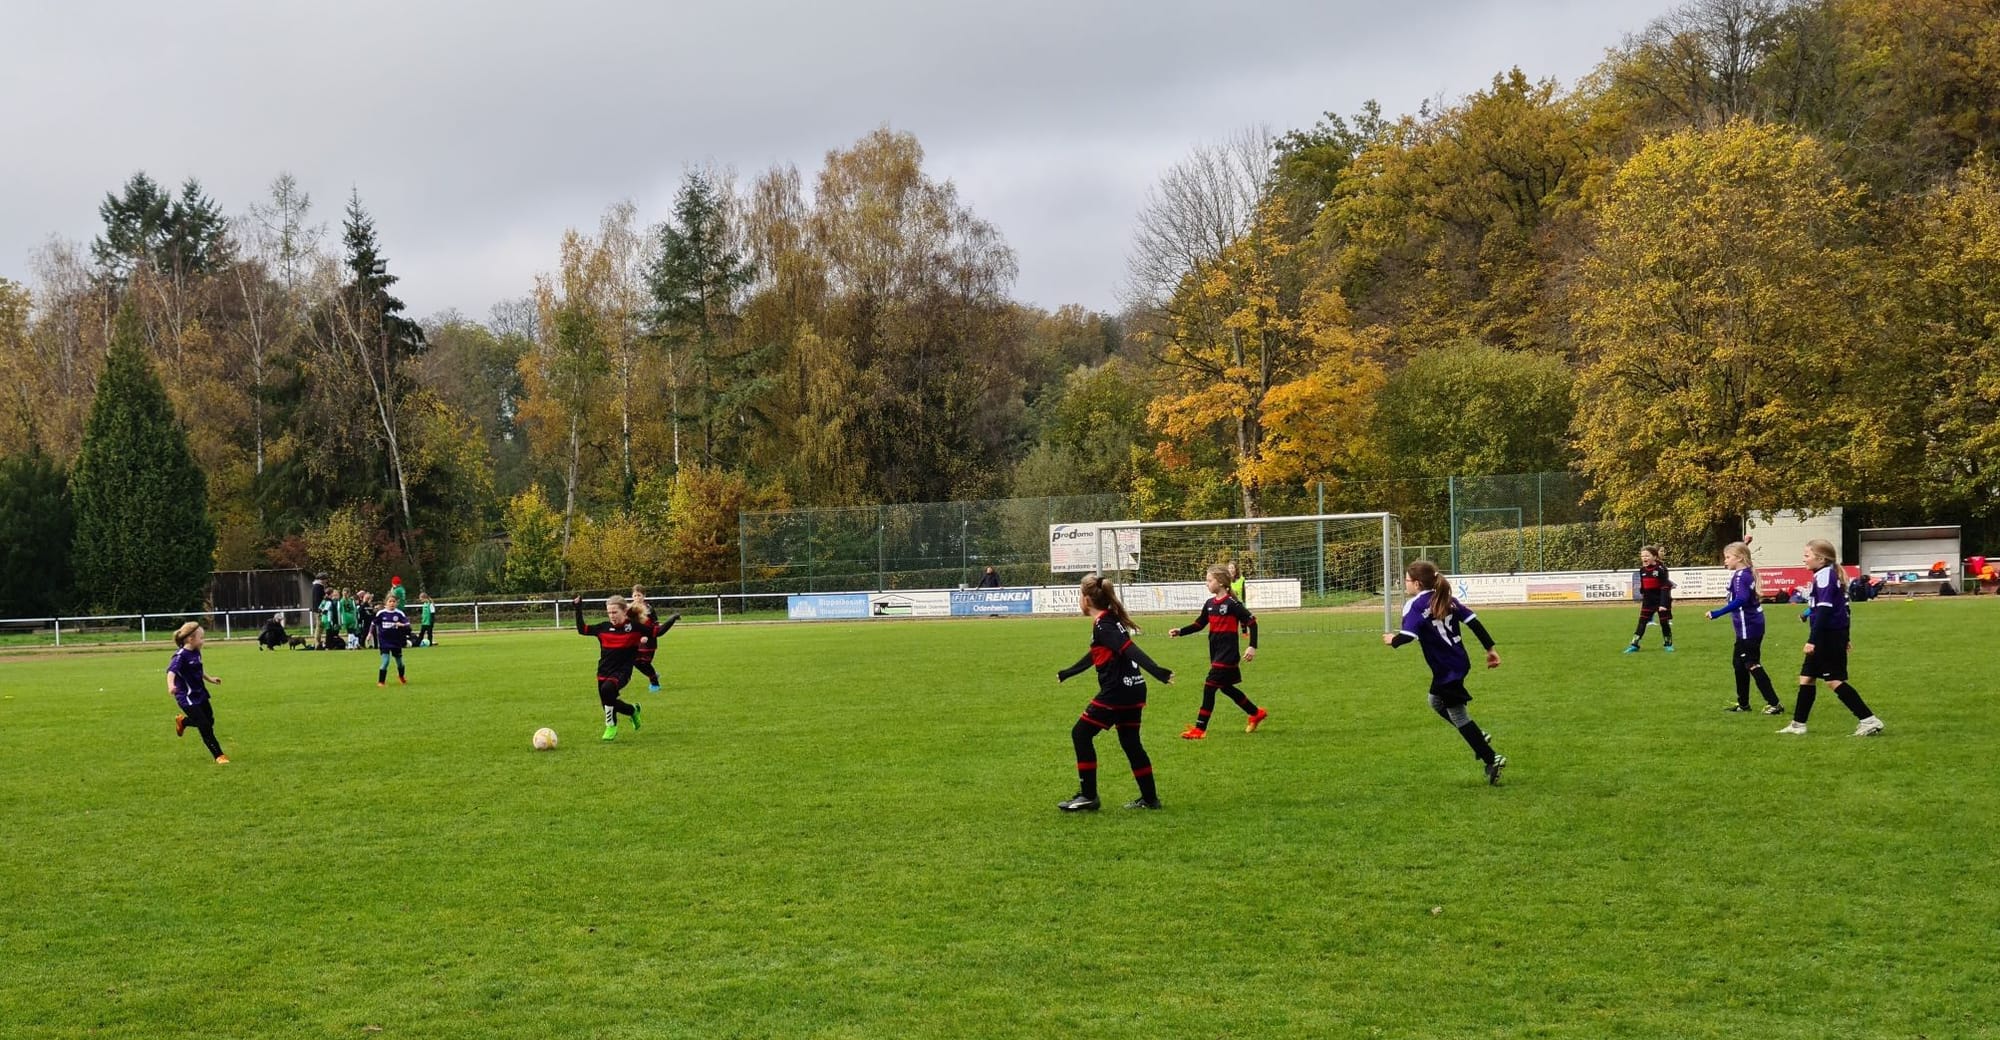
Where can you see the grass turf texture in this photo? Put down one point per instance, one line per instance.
(849, 831)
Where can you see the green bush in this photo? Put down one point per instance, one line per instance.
(1602, 545)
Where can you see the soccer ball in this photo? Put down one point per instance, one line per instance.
(545, 739)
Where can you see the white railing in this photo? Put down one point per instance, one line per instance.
(472, 615)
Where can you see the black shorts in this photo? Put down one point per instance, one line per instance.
(1451, 694)
(1657, 601)
(1104, 714)
(1828, 659)
(1220, 674)
(1750, 652)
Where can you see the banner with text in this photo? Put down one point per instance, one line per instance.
(1073, 549)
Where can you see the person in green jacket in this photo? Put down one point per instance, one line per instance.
(425, 637)
(350, 613)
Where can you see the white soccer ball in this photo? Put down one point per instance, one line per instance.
(545, 739)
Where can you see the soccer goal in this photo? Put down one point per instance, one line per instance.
(1337, 559)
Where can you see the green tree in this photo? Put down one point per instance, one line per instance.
(696, 279)
(1943, 269)
(1727, 330)
(35, 554)
(143, 537)
(534, 543)
(1476, 408)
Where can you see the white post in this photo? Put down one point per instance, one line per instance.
(558, 613)
(227, 632)
(142, 628)
(1388, 579)
(58, 631)
(718, 610)
(475, 615)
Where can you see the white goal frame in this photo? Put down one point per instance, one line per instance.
(1108, 534)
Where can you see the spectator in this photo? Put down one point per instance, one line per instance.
(273, 636)
(990, 579)
(365, 612)
(319, 597)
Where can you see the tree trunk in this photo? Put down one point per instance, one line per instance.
(569, 489)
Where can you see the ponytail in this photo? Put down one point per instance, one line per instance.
(1425, 574)
(1099, 594)
(1828, 556)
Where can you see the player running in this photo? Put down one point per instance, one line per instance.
(618, 641)
(1431, 618)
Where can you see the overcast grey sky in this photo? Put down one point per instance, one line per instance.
(477, 131)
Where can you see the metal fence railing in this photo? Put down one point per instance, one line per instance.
(456, 617)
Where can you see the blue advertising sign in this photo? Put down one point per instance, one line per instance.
(841, 606)
(975, 602)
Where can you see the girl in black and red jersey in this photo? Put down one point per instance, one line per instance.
(1121, 696)
(618, 642)
(642, 612)
(1656, 596)
(1223, 616)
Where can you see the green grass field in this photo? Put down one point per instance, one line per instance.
(849, 831)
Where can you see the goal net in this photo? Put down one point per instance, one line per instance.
(1333, 560)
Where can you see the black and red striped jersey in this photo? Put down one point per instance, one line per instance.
(1224, 616)
(1117, 660)
(1653, 580)
(617, 645)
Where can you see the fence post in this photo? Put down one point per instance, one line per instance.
(1540, 520)
(718, 609)
(475, 615)
(1451, 496)
(880, 565)
(228, 632)
(142, 628)
(1321, 540)
(58, 631)
(558, 613)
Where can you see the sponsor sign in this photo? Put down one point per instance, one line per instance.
(1061, 599)
(845, 606)
(1270, 594)
(909, 604)
(975, 602)
(1073, 549)
(1780, 581)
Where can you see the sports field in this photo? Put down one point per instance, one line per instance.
(849, 831)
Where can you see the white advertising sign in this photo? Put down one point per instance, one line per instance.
(1073, 549)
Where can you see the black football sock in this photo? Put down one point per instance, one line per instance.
(1667, 630)
(1207, 707)
(1852, 698)
(1764, 686)
(646, 670)
(1802, 710)
(1241, 701)
(1142, 766)
(1742, 685)
(1475, 738)
(1084, 736)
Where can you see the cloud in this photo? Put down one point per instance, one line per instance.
(476, 132)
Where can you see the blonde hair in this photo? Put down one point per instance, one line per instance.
(1219, 571)
(613, 599)
(185, 632)
(1425, 574)
(1828, 555)
(1740, 550)
(1097, 591)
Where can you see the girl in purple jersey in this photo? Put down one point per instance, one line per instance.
(1828, 643)
(188, 682)
(1431, 619)
(1748, 656)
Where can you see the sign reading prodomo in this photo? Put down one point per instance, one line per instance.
(1073, 549)
(975, 602)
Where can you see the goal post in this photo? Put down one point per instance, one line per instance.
(1338, 559)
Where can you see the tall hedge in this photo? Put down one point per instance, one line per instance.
(39, 526)
(143, 538)
(1597, 546)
